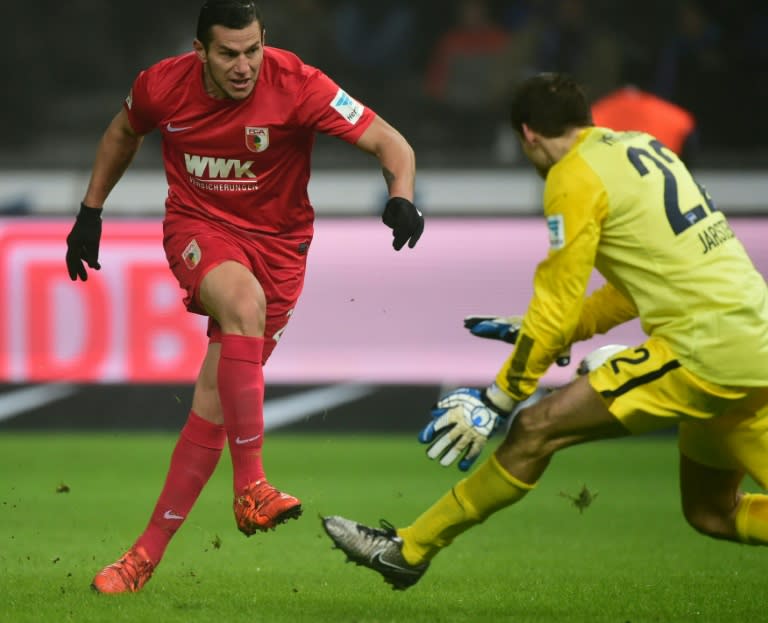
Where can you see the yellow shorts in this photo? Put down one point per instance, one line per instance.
(724, 427)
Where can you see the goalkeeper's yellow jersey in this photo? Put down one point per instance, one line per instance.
(623, 203)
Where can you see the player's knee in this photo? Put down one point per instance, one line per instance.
(530, 432)
(235, 299)
(249, 312)
(710, 520)
(243, 315)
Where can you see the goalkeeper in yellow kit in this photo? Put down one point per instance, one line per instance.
(620, 202)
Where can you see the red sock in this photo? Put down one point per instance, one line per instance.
(193, 460)
(241, 390)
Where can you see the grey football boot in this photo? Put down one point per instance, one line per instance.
(379, 549)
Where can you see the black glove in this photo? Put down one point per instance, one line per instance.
(83, 242)
(405, 220)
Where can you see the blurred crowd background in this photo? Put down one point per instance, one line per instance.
(440, 71)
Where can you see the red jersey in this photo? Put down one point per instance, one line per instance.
(247, 162)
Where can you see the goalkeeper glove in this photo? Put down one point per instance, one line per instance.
(405, 220)
(462, 422)
(83, 242)
(506, 329)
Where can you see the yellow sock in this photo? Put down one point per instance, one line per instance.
(752, 519)
(469, 502)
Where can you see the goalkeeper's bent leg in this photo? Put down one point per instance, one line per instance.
(752, 519)
(470, 502)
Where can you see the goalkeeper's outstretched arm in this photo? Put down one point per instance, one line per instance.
(506, 329)
(603, 310)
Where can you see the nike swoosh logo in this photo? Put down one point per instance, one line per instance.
(378, 557)
(278, 412)
(20, 401)
(240, 442)
(170, 128)
(300, 406)
(171, 515)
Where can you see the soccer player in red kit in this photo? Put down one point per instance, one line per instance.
(238, 121)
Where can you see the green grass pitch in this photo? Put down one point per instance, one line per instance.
(628, 557)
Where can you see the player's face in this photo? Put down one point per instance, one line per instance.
(232, 61)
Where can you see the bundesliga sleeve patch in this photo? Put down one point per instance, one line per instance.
(347, 107)
(556, 227)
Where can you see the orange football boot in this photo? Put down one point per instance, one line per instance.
(262, 507)
(127, 575)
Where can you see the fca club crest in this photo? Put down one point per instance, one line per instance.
(192, 254)
(256, 139)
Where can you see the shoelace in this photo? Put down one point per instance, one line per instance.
(131, 569)
(266, 492)
(386, 530)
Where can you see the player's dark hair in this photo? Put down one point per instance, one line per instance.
(235, 14)
(550, 104)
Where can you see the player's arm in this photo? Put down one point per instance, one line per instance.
(560, 284)
(604, 309)
(117, 147)
(575, 205)
(506, 329)
(463, 420)
(398, 164)
(322, 106)
(394, 153)
(116, 150)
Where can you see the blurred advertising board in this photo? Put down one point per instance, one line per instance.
(367, 314)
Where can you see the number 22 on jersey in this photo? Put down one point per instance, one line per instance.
(679, 220)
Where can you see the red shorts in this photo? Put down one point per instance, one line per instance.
(194, 246)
